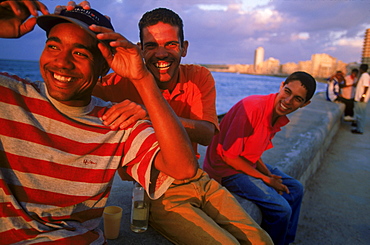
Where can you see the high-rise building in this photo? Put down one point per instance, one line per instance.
(366, 49)
(259, 56)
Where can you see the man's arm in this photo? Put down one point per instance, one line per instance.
(199, 131)
(176, 157)
(364, 94)
(127, 112)
(14, 17)
(243, 165)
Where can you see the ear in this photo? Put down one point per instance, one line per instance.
(185, 46)
(281, 86)
(139, 44)
(306, 103)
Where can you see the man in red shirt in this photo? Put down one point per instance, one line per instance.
(198, 206)
(234, 156)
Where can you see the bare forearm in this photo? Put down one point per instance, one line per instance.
(244, 166)
(176, 157)
(199, 131)
(262, 168)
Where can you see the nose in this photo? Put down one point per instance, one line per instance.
(161, 52)
(64, 60)
(288, 100)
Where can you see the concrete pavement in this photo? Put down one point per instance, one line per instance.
(336, 205)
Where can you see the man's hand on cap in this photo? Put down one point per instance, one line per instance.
(71, 5)
(14, 17)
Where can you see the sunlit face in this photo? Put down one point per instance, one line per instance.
(291, 96)
(70, 64)
(162, 52)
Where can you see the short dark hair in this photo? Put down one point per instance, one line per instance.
(306, 80)
(364, 67)
(161, 15)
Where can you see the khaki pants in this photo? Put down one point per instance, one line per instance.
(201, 211)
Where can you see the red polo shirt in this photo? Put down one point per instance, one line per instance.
(193, 96)
(245, 131)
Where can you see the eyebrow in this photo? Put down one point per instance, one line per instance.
(76, 45)
(298, 96)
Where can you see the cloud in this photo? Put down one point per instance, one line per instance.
(228, 31)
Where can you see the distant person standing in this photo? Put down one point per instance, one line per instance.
(348, 94)
(361, 98)
(334, 85)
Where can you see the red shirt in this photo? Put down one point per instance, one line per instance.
(193, 96)
(245, 131)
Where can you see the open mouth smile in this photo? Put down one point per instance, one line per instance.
(284, 107)
(61, 78)
(163, 65)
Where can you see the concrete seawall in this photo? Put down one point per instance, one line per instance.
(298, 151)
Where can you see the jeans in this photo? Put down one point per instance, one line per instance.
(280, 212)
(360, 113)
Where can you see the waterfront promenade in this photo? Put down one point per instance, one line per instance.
(336, 205)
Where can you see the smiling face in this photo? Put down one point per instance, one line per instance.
(291, 96)
(70, 64)
(162, 52)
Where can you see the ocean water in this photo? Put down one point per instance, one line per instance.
(230, 87)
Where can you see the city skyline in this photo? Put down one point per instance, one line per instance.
(229, 31)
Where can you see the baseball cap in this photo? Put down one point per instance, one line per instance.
(79, 16)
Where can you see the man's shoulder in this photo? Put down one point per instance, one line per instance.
(194, 70)
(196, 74)
(366, 75)
(20, 84)
(257, 98)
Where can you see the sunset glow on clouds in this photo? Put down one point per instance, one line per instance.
(228, 31)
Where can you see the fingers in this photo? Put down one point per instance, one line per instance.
(32, 6)
(71, 5)
(123, 114)
(27, 26)
(84, 4)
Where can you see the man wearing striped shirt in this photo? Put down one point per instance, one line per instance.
(57, 158)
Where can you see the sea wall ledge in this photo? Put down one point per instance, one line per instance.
(298, 151)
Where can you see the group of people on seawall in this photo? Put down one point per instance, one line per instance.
(353, 91)
(64, 138)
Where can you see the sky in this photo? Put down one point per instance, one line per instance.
(229, 31)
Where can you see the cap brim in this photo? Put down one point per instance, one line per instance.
(47, 22)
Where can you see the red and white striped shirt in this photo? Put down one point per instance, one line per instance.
(57, 165)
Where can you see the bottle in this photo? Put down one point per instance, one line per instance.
(139, 209)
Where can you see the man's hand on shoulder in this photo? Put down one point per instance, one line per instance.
(123, 114)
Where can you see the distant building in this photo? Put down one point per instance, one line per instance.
(366, 48)
(289, 68)
(259, 54)
(270, 66)
(323, 65)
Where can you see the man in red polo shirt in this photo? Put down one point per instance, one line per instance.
(234, 156)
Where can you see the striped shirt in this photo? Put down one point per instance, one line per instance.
(57, 165)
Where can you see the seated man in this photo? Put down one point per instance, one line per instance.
(234, 156)
(198, 206)
(57, 158)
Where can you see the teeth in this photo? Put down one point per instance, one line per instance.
(62, 78)
(162, 65)
(283, 106)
